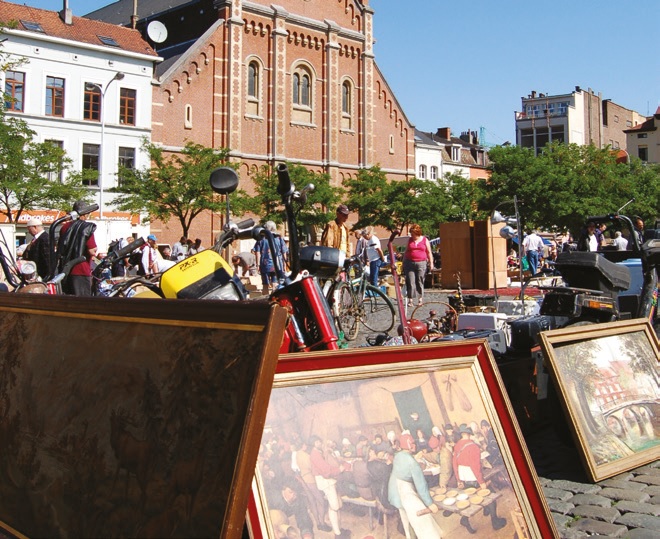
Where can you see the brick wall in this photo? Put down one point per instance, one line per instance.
(204, 97)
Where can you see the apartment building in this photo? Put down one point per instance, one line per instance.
(287, 81)
(85, 85)
(441, 153)
(581, 117)
(643, 140)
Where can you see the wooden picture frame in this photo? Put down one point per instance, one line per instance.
(607, 376)
(131, 417)
(321, 398)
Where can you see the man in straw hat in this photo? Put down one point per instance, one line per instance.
(38, 250)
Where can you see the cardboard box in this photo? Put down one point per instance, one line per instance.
(391, 291)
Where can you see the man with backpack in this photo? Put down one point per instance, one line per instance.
(77, 241)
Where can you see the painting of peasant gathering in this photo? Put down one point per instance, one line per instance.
(611, 388)
(409, 455)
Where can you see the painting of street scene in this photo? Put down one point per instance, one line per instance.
(611, 387)
(390, 456)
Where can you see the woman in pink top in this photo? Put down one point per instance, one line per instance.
(416, 260)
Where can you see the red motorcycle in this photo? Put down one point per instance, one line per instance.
(207, 275)
(311, 325)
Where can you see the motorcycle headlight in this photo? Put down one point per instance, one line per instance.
(28, 269)
(227, 292)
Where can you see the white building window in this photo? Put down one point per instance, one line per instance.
(422, 172)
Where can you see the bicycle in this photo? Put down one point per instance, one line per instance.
(354, 300)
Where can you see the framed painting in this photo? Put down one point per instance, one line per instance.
(131, 417)
(368, 442)
(607, 378)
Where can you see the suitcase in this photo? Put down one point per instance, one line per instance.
(525, 331)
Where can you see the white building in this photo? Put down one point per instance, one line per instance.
(86, 85)
(438, 154)
(643, 140)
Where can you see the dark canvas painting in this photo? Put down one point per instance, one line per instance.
(130, 426)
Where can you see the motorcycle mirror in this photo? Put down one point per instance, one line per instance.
(257, 233)
(224, 180)
(508, 232)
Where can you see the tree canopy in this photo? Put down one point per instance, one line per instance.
(566, 183)
(398, 204)
(175, 186)
(32, 174)
(317, 211)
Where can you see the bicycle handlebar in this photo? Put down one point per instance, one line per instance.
(66, 270)
(284, 187)
(242, 229)
(117, 255)
(232, 231)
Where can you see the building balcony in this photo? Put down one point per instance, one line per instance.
(522, 116)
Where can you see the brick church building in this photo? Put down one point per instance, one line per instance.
(293, 81)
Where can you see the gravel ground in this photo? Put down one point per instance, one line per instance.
(431, 299)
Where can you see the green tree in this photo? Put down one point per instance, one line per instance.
(397, 204)
(462, 195)
(558, 189)
(317, 211)
(32, 174)
(175, 186)
(367, 194)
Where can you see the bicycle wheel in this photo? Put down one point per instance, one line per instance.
(348, 311)
(378, 310)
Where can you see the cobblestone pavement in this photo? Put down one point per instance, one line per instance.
(626, 506)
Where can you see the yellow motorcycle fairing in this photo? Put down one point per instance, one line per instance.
(196, 276)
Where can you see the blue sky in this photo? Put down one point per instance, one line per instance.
(466, 64)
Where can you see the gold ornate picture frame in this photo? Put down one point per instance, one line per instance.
(336, 441)
(607, 377)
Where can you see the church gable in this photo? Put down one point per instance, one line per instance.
(348, 14)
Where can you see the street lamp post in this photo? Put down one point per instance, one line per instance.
(118, 76)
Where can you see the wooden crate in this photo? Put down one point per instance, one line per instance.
(456, 246)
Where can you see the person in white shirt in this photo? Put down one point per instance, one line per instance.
(179, 250)
(620, 242)
(533, 247)
(151, 256)
(588, 241)
(372, 254)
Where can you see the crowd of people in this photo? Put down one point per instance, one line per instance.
(597, 236)
(310, 482)
(77, 241)
(539, 255)
(418, 257)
